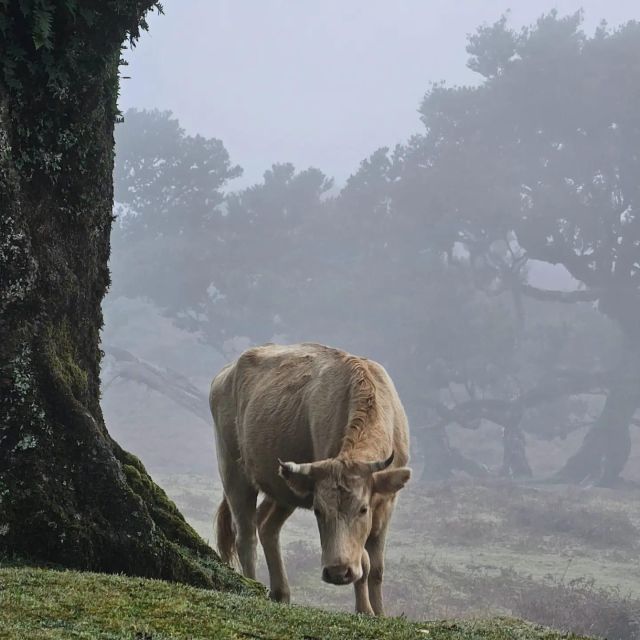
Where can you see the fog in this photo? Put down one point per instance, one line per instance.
(314, 83)
(426, 184)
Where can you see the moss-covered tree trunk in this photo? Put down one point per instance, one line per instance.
(68, 493)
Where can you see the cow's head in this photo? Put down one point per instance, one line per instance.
(344, 495)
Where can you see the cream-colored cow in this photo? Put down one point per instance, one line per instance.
(340, 419)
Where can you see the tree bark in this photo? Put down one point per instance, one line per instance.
(607, 445)
(441, 460)
(514, 460)
(69, 494)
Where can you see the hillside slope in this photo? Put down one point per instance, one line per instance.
(38, 604)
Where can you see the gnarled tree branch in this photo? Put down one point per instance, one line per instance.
(166, 382)
(546, 295)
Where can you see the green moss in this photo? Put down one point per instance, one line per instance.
(63, 357)
(162, 509)
(187, 557)
(36, 603)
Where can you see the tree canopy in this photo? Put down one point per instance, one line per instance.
(491, 263)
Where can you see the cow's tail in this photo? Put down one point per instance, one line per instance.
(225, 532)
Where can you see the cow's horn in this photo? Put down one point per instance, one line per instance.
(381, 464)
(292, 467)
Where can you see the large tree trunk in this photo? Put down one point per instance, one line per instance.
(441, 460)
(68, 493)
(514, 459)
(606, 447)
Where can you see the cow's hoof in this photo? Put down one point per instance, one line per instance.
(279, 595)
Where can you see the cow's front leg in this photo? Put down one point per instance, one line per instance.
(375, 546)
(271, 517)
(361, 588)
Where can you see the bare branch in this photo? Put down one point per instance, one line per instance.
(509, 412)
(579, 266)
(566, 382)
(587, 295)
(166, 382)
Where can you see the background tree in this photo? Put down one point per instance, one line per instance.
(224, 265)
(68, 493)
(435, 255)
(168, 189)
(547, 147)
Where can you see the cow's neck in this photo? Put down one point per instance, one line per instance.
(370, 442)
(366, 436)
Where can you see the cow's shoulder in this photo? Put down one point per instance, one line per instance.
(276, 355)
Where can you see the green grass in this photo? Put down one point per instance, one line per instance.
(44, 603)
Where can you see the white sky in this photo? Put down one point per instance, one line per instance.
(314, 82)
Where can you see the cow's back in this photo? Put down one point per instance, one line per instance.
(287, 402)
(290, 402)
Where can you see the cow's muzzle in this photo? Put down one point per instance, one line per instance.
(339, 574)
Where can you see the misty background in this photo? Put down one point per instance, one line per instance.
(451, 190)
(315, 83)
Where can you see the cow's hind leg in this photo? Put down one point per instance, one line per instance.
(242, 496)
(271, 517)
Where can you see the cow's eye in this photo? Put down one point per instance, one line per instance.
(364, 509)
(317, 512)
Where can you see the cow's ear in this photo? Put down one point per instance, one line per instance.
(298, 477)
(390, 480)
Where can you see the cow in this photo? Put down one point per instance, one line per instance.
(313, 427)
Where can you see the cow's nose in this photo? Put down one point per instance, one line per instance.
(338, 574)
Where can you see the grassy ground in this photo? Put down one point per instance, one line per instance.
(45, 604)
(564, 557)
